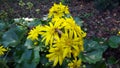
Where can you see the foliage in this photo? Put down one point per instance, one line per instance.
(21, 3)
(114, 41)
(3, 14)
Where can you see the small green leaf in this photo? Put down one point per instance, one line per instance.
(78, 21)
(114, 41)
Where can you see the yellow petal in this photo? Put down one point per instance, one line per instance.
(60, 60)
(65, 53)
(76, 48)
(50, 55)
(55, 61)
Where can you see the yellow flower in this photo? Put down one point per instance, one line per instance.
(2, 50)
(64, 47)
(72, 45)
(119, 32)
(36, 43)
(73, 27)
(58, 10)
(34, 33)
(58, 19)
(51, 32)
(75, 63)
(56, 54)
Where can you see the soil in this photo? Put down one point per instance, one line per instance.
(96, 23)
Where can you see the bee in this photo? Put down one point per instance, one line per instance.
(59, 32)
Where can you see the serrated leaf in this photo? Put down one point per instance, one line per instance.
(114, 41)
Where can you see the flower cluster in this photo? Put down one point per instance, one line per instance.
(2, 50)
(62, 35)
(58, 10)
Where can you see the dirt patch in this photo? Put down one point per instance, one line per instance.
(96, 23)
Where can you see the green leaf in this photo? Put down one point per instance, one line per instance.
(29, 58)
(25, 65)
(18, 52)
(10, 38)
(20, 31)
(100, 64)
(43, 59)
(114, 41)
(111, 60)
(26, 60)
(78, 21)
(93, 51)
(2, 25)
(34, 23)
(36, 55)
(28, 44)
(13, 36)
(93, 56)
(3, 64)
(26, 56)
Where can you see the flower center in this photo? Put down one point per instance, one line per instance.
(68, 42)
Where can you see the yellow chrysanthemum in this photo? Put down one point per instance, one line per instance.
(75, 63)
(73, 27)
(64, 47)
(58, 19)
(2, 50)
(72, 45)
(34, 33)
(58, 10)
(56, 55)
(51, 32)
